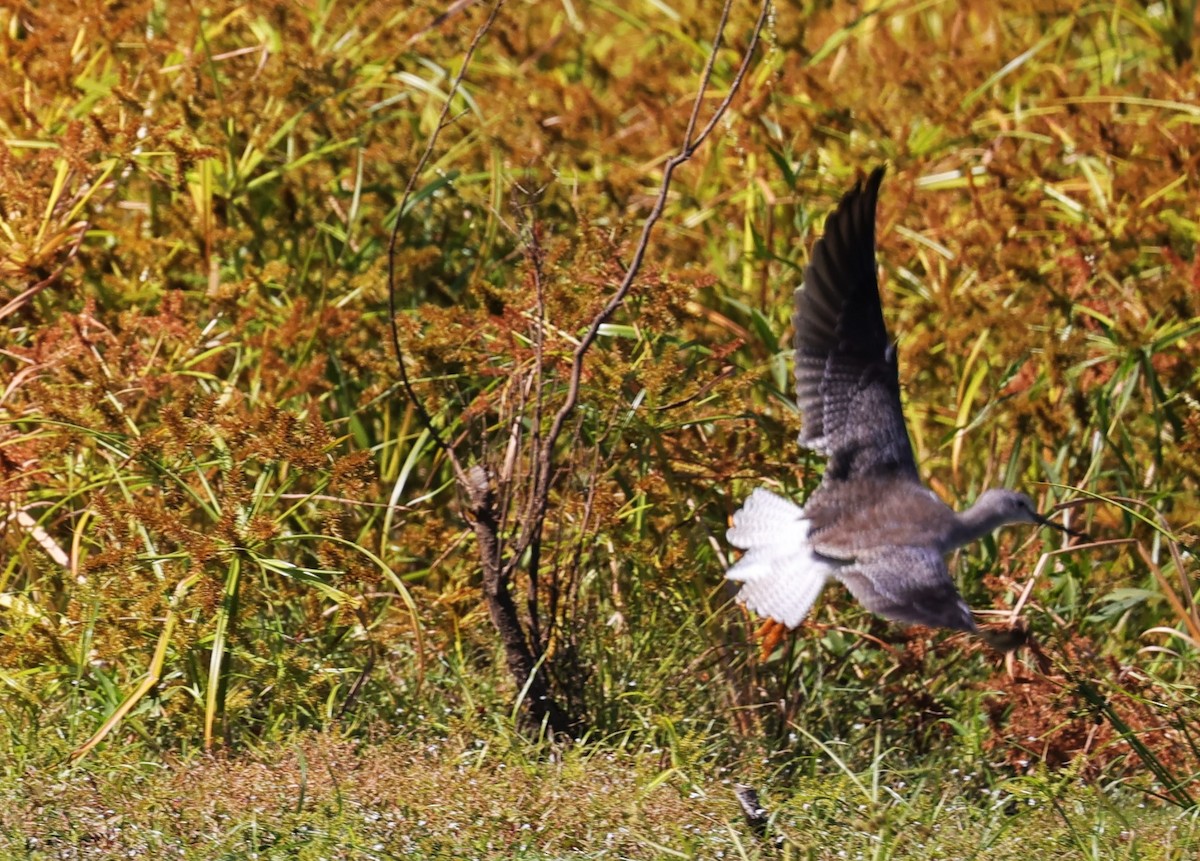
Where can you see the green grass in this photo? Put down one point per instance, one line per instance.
(227, 533)
(460, 794)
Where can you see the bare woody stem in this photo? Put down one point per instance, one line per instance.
(691, 142)
(498, 566)
(519, 658)
(475, 482)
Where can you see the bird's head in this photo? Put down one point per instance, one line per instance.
(1011, 506)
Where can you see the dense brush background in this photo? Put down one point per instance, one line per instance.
(224, 526)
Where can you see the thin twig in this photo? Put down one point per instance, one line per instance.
(449, 12)
(536, 256)
(422, 414)
(685, 152)
(544, 468)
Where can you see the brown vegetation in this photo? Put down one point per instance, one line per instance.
(225, 517)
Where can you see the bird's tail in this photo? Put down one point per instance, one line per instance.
(780, 573)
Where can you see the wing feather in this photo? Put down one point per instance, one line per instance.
(907, 584)
(847, 382)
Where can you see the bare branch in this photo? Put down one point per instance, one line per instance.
(536, 256)
(685, 152)
(517, 650)
(707, 75)
(450, 11)
(735, 84)
(544, 467)
(503, 548)
(422, 414)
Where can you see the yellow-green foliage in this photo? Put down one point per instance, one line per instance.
(224, 516)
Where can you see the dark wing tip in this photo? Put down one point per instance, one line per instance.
(863, 197)
(854, 217)
(851, 227)
(838, 305)
(838, 321)
(874, 180)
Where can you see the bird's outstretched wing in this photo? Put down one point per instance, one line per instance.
(907, 584)
(847, 385)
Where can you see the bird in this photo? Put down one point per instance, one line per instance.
(871, 523)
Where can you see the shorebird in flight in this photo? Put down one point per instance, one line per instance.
(871, 523)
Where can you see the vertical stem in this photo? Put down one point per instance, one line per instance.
(503, 610)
